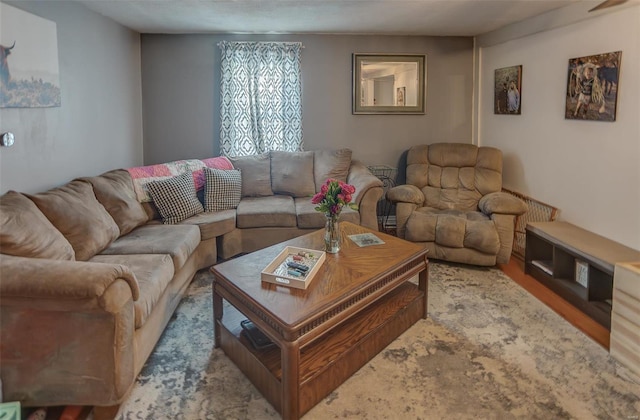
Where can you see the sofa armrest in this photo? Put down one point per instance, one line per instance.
(67, 331)
(368, 193)
(405, 194)
(38, 278)
(502, 203)
(361, 177)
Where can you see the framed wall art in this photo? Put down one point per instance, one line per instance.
(29, 73)
(401, 93)
(592, 87)
(508, 90)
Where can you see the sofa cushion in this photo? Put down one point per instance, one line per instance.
(274, 211)
(453, 229)
(153, 272)
(26, 232)
(152, 211)
(308, 218)
(179, 241)
(74, 210)
(256, 168)
(213, 224)
(175, 198)
(450, 231)
(482, 235)
(222, 190)
(331, 164)
(292, 173)
(114, 190)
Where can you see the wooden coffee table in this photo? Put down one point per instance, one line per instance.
(360, 300)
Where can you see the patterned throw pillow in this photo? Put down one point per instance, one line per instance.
(175, 198)
(222, 190)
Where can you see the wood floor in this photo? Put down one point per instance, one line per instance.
(515, 270)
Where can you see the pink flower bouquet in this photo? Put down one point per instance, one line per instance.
(333, 196)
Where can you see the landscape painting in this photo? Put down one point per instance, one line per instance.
(592, 87)
(507, 90)
(29, 73)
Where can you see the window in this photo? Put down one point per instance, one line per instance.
(261, 97)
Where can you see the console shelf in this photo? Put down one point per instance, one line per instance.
(576, 264)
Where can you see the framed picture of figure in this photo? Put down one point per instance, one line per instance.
(401, 93)
(508, 90)
(592, 87)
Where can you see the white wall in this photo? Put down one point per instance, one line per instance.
(590, 170)
(181, 95)
(99, 125)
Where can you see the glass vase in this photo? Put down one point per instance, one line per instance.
(332, 234)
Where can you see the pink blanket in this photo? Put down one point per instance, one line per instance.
(142, 175)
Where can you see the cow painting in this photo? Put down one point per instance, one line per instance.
(608, 75)
(29, 70)
(5, 76)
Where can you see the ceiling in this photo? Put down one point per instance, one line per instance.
(385, 17)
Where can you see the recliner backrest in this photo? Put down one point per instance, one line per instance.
(454, 175)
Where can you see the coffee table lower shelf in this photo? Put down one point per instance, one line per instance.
(331, 359)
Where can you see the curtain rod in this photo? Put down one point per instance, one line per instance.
(257, 42)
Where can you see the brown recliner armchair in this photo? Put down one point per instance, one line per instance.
(453, 203)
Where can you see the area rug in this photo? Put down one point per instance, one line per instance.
(488, 350)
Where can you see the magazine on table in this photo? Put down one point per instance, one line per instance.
(366, 239)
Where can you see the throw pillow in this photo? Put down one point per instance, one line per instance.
(74, 210)
(26, 232)
(333, 164)
(114, 190)
(292, 173)
(175, 198)
(222, 189)
(257, 169)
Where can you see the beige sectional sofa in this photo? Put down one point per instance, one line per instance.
(276, 205)
(91, 276)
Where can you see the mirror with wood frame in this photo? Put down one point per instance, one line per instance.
(388, 83)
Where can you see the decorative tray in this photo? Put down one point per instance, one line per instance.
(294, 267)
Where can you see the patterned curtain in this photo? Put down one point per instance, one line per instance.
(261, 90)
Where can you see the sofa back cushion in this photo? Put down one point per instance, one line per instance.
(256, 171)
(333, 164)
(292, 173)
(26, 232)
(114, 190)
(74, 210)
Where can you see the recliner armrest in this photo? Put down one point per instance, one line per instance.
(502, 203)
(405, 194)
